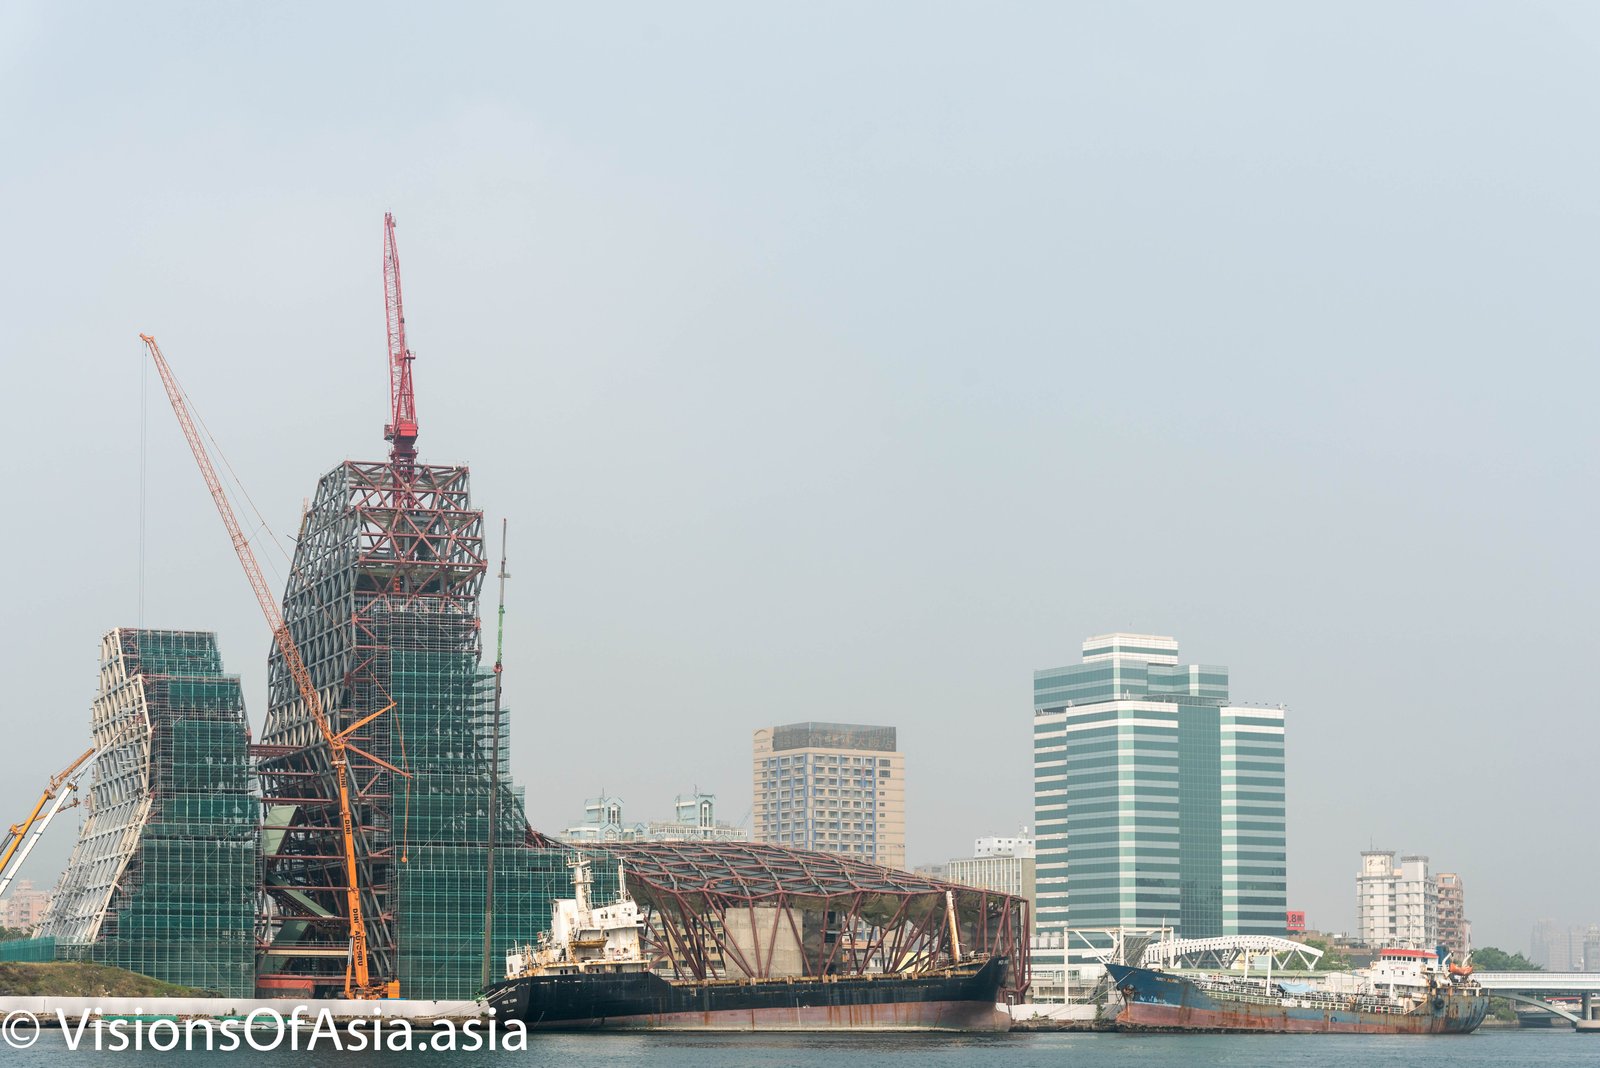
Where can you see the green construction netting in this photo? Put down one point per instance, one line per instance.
(184, 909)
(444, 712)
(29, 950)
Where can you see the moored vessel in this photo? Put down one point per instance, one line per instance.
(590, 971)
(1407, 992)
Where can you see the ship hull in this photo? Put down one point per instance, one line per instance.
(1154, 1001)
(643, 1001)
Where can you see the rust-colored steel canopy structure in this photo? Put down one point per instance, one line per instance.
(726, 910)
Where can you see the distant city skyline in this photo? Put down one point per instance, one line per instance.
(851, 362)
(1563, 947)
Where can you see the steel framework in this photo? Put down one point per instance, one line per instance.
(744, 909)
(1227, 950)
(382, 601)
(378, 575)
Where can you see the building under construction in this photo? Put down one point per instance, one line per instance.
(384, 745)
(383, 603)
(382, 606)
(163, 878)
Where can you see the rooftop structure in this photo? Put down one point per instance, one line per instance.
(1014, 845)
(694, 819)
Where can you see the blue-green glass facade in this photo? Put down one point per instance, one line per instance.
(1155, 802)
(1253, 893)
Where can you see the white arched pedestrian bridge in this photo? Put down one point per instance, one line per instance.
(1228, 950)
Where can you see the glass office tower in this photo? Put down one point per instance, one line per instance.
(1156, 803)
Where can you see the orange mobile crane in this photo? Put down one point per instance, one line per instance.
(357, 979)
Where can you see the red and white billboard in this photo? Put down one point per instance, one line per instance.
(1294, 921)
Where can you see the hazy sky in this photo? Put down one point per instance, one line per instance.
(850, 362)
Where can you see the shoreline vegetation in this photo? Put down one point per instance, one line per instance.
(74, 979)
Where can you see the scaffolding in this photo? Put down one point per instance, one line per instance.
(162, 878)
(382, 601)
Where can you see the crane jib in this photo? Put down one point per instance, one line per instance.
(358, 979)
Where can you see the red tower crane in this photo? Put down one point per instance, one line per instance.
(401, 429)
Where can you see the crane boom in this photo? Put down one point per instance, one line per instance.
(16, 834)
(358, 981)
(402, 426)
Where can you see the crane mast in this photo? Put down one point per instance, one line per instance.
(358, 981)
(401, 429)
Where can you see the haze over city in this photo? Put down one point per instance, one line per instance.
(843, 363)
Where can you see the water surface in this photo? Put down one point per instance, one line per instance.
(1486, 1049)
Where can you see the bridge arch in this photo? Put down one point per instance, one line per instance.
(1538, 1003)
(1225, 952)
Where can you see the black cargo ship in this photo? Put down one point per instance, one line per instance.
(589, 971)
(955, 999)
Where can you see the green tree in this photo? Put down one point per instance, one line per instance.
(1333, 957)
(1490, 959)
(9, 935)
(1503, 1010)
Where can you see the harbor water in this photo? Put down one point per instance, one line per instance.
(1488, 1049)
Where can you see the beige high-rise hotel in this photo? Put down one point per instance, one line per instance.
(833, 787)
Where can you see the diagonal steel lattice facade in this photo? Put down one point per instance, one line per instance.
(382, 601)
(162, 878)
